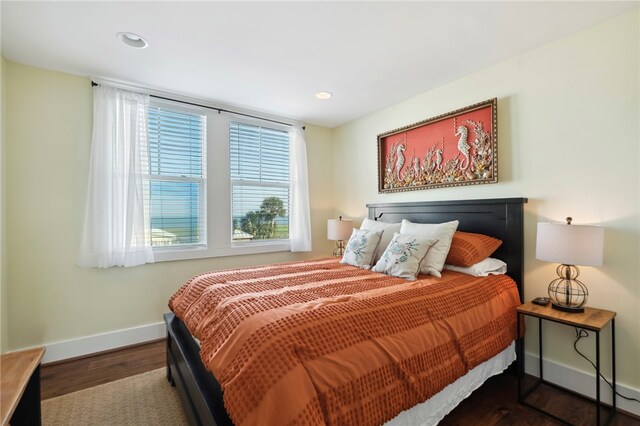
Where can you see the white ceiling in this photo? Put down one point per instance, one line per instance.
(274, 56)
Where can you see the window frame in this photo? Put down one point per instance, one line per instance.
(271, 241)
(219, 234)
(202, 182)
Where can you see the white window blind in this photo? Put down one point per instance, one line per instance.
(177, 177)
(259, 163)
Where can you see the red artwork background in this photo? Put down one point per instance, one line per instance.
(437, 152)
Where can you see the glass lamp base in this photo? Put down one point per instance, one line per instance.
(566, 292)
(571, 309)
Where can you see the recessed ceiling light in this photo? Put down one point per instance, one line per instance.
(133, 40)
(323, 95)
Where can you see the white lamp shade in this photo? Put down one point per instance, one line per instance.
(339, 230)
(570, 244)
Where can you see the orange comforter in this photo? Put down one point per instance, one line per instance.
(319, 342)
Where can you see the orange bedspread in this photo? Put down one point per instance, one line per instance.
(319, 342)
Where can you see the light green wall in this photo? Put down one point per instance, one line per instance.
(568, 125)
(51, 299)
(4, 301)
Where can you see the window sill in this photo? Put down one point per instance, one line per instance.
(236, 249)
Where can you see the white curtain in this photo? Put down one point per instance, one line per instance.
(299, 215)
(116, 223)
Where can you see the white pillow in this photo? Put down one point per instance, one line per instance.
(387, 235)
(489, 266)
(443, 232)
(403, 255)
(361, 248)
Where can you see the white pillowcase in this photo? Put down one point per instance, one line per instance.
(361, 248)
(489, 266)
(403, 255)
(443, 232)
(387, 235)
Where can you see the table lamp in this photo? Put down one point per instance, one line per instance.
(569, 245)
(339, 230)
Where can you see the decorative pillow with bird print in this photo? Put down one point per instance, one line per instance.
(403, 255)
(361, 248)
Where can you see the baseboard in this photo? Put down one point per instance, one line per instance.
(82, 346)
(582, 382)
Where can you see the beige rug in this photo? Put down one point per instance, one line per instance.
(145, 399)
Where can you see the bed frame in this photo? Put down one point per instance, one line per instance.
(200, 392)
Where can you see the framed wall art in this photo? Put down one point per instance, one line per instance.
(453, 149)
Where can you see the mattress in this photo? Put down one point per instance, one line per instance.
(321, 342)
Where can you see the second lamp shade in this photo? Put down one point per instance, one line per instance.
(339, 230)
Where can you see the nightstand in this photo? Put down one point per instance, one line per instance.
(591, 319)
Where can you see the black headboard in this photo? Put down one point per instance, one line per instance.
(500, 218)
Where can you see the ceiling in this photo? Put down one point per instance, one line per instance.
(272, 57)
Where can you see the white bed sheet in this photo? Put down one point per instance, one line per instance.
(435, 408)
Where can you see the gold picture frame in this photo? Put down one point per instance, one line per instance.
(453, 149)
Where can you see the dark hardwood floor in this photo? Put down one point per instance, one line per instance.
(495, 403)
(65, 377)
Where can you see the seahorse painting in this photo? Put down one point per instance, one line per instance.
(399, 160)
(438, 162)
(463, 146)
(453, 149)
(416, 167)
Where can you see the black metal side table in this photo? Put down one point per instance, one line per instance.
(591, 319)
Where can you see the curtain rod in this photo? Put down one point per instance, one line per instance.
(93, 84)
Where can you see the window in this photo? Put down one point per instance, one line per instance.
(259, 166)
(219, 186)
(177, 180)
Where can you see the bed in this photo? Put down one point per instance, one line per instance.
(201, 393)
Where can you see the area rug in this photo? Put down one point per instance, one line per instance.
(144, 399)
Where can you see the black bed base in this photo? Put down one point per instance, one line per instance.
(200, 392)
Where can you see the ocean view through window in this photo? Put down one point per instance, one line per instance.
(176, 190)
(259, 166)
